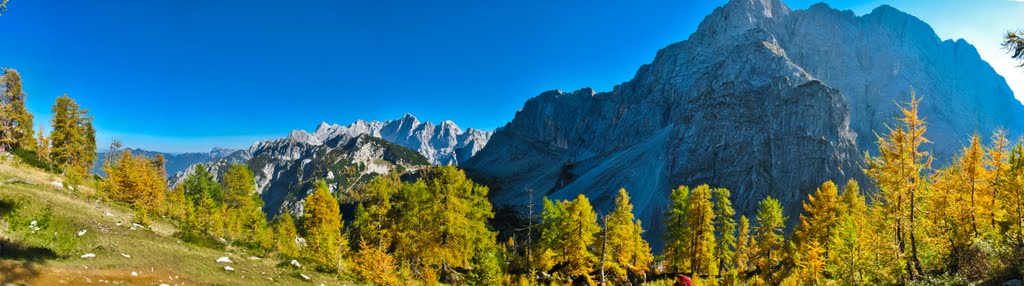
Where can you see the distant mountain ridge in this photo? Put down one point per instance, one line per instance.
(442, 144)
(761, 99)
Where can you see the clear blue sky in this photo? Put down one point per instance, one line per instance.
(189, 75)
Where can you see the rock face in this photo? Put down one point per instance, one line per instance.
(443, 144)
(286, 169)
(762, 100)
(175, 162)
(344, 156)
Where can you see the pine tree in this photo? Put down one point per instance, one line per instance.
(996, 163)
(1015, 189)
(769, 239)
(15, 120)
(373, 264)
(486, 268)
(850, 258)
(580, 227)
(134, 180)
(362, 228)
(72, 141)
(321, 222)
(677, 250)
(285, 235)
(377, 203)
(744, 246)
(820, 225)
(810, 264)
(460, 211)
(1013, 42)
(974, 174)
(88, 152)
(551, 234)
(176, 206)
(201, 184)
(725, 223)
(629, 252)
(412, 222)
(702, 236)
(43, 146)
(897, 171)
(239, 185)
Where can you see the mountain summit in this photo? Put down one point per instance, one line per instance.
(761, 99)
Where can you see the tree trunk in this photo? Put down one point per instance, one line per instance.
(604, 247)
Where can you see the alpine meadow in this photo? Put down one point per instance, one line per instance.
(758, 143)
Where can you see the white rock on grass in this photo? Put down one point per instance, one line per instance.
(296, 263)
(229, 268)
(135, 273)
(305, 277)
(82, 232)
(89, 255)
(126, 255)
(224, 259)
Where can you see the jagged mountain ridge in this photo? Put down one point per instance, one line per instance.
(345, 156)
(761, 99)
(442, 144)
(175, 162)
(286, 169)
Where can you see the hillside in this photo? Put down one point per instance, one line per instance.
(52, 254)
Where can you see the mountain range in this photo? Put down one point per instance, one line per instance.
(345, 156)
(761, 99)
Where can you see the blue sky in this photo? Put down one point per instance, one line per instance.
(182, 76)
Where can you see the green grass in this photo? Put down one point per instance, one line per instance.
(31, 158)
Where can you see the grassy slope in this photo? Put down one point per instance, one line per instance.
(51, 256)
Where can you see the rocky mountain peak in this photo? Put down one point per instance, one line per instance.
(757, 9)
(302, 136)
(761, 99)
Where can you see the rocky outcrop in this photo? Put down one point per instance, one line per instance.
(758, 100)
(286, 169)
(443, 144)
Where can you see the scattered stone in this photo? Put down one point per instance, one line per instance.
(107, 214)
(305, 277)
(17, 180)
(224, 259)
(135, 273)
(228, 268)
(57, 184)
(164, 284)
(88, 255)
(296, 263)
(81, 232)
(126, 256)
(254, 258)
